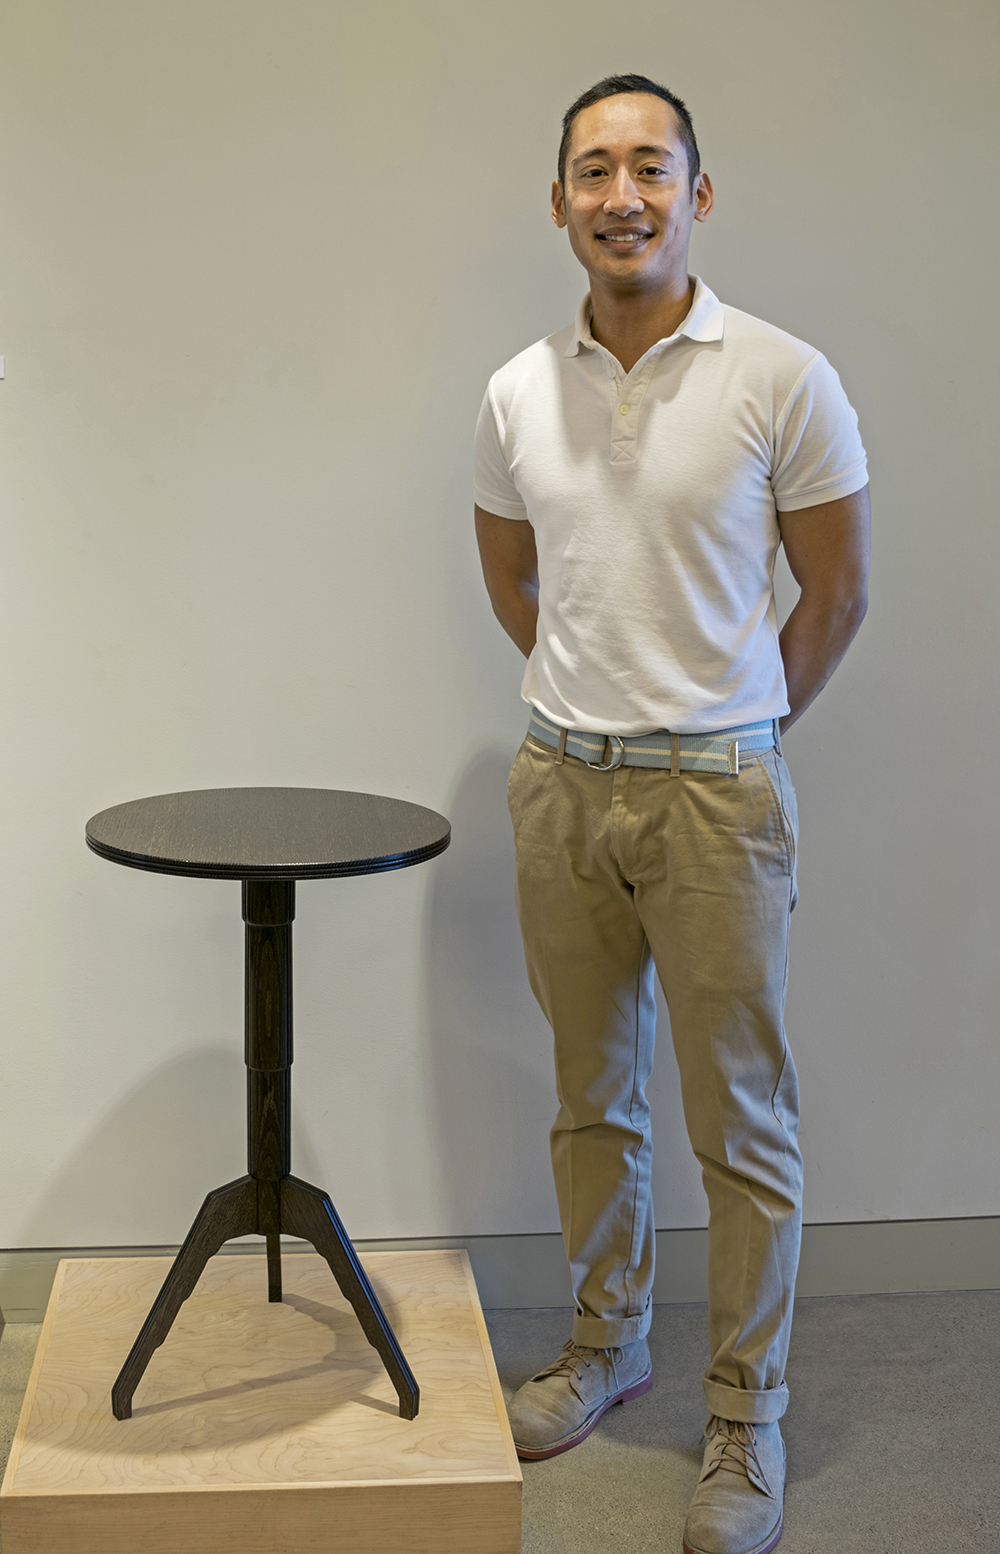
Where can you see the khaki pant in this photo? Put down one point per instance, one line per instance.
(618, 872)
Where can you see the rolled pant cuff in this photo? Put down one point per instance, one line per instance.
(746, 1407)
(610, 1332)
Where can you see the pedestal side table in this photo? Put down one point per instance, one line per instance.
(268, 838)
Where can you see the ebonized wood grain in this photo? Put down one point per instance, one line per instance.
(268, 833)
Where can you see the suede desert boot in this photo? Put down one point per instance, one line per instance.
(736, 1508)
(560, 1406)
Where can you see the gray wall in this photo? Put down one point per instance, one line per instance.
(258, 260)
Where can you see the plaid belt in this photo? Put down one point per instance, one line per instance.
(718, 752)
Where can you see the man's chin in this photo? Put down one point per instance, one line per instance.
(613, 257)
(632, 274)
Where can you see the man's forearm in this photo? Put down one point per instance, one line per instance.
(510, 572)
(516, 608)
(827, 549)
(813, 641)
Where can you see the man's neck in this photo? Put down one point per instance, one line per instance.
(628, 323)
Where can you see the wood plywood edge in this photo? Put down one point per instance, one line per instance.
(419, 1518)
(17, 1445)
(491, 1368)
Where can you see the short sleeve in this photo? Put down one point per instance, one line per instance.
(494, 488)
(818, 453)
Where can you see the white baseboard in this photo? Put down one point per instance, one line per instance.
(875, 1257)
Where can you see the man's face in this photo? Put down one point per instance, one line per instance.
(627, 203)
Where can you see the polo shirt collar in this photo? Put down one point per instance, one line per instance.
(704, 321)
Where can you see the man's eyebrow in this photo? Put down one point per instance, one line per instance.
(663, 152)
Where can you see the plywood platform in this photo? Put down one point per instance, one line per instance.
(263, 1429)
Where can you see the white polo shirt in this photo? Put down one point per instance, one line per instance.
(653, 496)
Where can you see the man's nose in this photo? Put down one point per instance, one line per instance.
(623, 197)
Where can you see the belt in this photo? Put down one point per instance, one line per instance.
(718, 752)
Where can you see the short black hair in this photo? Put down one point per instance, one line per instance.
(614, 86)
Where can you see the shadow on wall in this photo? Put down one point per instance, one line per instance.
(130, 1181)
(491, 1090)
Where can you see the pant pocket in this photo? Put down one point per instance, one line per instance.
(786, 829)
(788, 809)
(512, 777)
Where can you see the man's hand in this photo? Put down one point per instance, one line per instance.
(510, 569)
(828, 551)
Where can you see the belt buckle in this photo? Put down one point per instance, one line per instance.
(618, 756)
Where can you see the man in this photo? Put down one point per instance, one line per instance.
(635, 475)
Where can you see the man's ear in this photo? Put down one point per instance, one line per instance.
(558, 204)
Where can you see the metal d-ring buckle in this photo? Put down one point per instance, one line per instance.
(619, 756)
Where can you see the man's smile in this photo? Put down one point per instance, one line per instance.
(623, 236)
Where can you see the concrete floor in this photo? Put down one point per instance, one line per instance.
(892, 1440)
(892, 1447)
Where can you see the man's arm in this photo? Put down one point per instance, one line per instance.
(828, 550)
(510, 569)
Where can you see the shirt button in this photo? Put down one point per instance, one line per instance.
(624, 409)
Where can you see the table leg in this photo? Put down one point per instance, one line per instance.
(307, 1212)
(273, 1266)
(228, 1211)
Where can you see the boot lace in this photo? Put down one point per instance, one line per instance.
(734, 1450)
(574, 1358)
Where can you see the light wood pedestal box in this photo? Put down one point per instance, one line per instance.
(263, 1429)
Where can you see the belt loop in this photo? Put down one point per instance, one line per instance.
(777, 737)
(561, 752)
(675, 755)
(734, 758)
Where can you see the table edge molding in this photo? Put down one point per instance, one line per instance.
(179, 866)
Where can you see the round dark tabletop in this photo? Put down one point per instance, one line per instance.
(268, 833)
